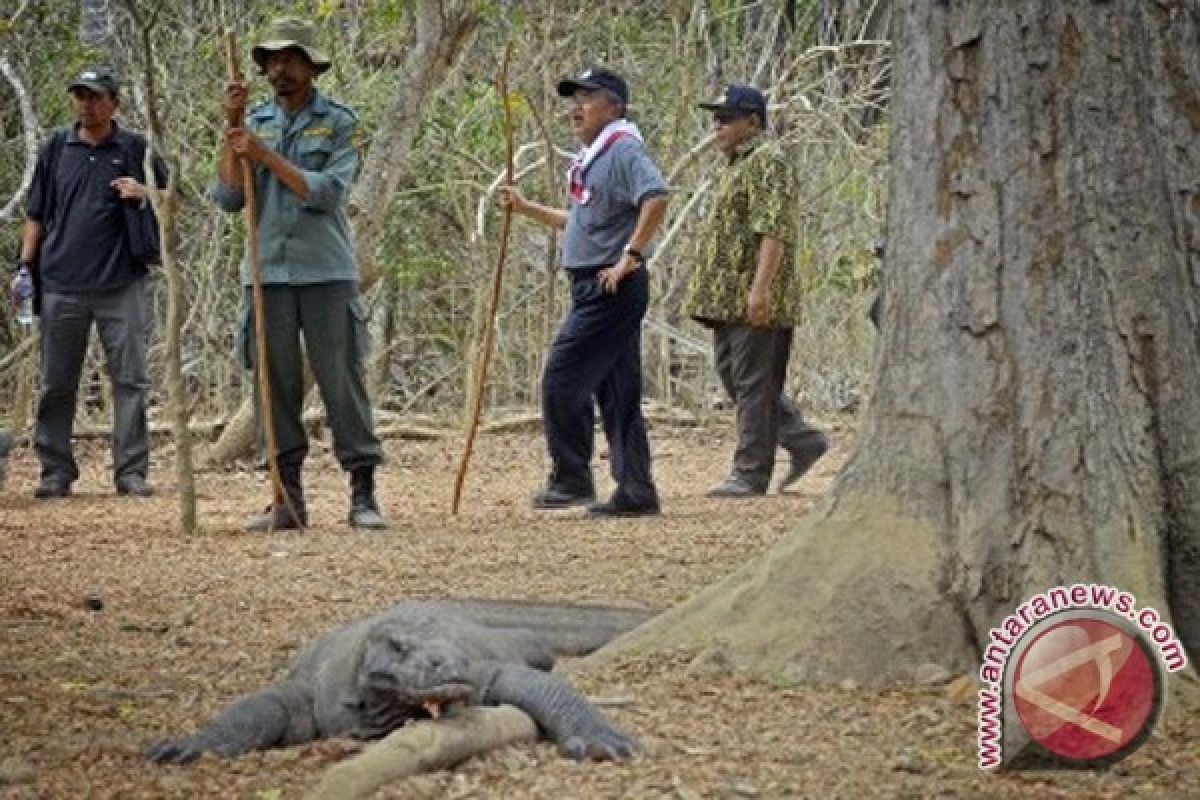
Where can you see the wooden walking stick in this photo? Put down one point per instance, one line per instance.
(489, 316)
(250, 211)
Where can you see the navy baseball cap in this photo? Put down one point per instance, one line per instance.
(595, 78)
(741, 99)
(97, 79)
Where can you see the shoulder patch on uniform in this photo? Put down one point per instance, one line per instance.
(342, 107)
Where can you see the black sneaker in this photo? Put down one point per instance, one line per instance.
(134, 485)
(52, 486)
(552, 498)
(620, 506)
(736, 486)
(803, 458)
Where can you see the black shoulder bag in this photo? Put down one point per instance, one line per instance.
(141, 226)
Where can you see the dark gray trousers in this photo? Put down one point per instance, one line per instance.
(66, 321)
(752, 365)
(333, 322)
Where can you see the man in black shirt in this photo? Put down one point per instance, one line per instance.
(75, 238)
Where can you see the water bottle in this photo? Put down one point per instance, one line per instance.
(22, 292)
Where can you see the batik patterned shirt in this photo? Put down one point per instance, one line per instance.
(755, 197)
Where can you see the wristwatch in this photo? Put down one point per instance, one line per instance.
(637, 255)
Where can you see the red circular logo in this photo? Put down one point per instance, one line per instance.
(1086, 688)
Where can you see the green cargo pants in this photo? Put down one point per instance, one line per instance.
(331, 318)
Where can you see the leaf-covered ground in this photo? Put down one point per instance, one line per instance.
(187, 624)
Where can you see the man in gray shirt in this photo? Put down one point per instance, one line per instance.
(617, 201)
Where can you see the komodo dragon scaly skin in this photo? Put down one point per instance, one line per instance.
(373, 675)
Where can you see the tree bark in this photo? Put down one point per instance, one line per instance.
(1035, 383)
(165, 202)
(443, 30)
(29, 122)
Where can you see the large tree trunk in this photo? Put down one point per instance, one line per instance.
(1037, 378)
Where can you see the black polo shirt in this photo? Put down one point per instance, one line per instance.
(84, 246)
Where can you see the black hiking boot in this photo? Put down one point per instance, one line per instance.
(288, 515)
(364, 511)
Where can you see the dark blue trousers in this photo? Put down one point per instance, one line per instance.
(598, 353)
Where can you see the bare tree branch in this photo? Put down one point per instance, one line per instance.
(29, 122)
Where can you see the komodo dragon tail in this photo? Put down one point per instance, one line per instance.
(568, 629)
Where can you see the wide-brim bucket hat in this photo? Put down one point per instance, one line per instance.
(291, 32)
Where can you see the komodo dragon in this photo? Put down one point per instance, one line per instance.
(373, 675)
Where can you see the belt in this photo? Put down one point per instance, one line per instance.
(585, 273)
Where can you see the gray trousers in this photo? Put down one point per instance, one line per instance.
(752, 365)
(333, 322)
(66, 321)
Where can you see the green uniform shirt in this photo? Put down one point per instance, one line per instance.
(302, 241)
(755, 197)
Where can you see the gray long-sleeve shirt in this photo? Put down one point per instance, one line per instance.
(301, 241)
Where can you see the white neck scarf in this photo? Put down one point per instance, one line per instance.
(577, 172)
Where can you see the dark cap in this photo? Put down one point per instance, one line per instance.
(595, 78)
(98, 79)
(742, 99)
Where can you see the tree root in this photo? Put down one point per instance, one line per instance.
(426, 747)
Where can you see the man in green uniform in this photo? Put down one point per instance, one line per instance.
(301, 147)
(743, 286)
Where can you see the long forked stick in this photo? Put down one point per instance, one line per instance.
(489, 316)
(250, 210)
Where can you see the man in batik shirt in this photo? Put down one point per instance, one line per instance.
(744, 287)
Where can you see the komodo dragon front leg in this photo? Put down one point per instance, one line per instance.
(277, 716)
(580, 730)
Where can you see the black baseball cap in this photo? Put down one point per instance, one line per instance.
(742, 99)
(595, 78)
(98, 79)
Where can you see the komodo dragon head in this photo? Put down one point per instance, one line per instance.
(422, 673)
